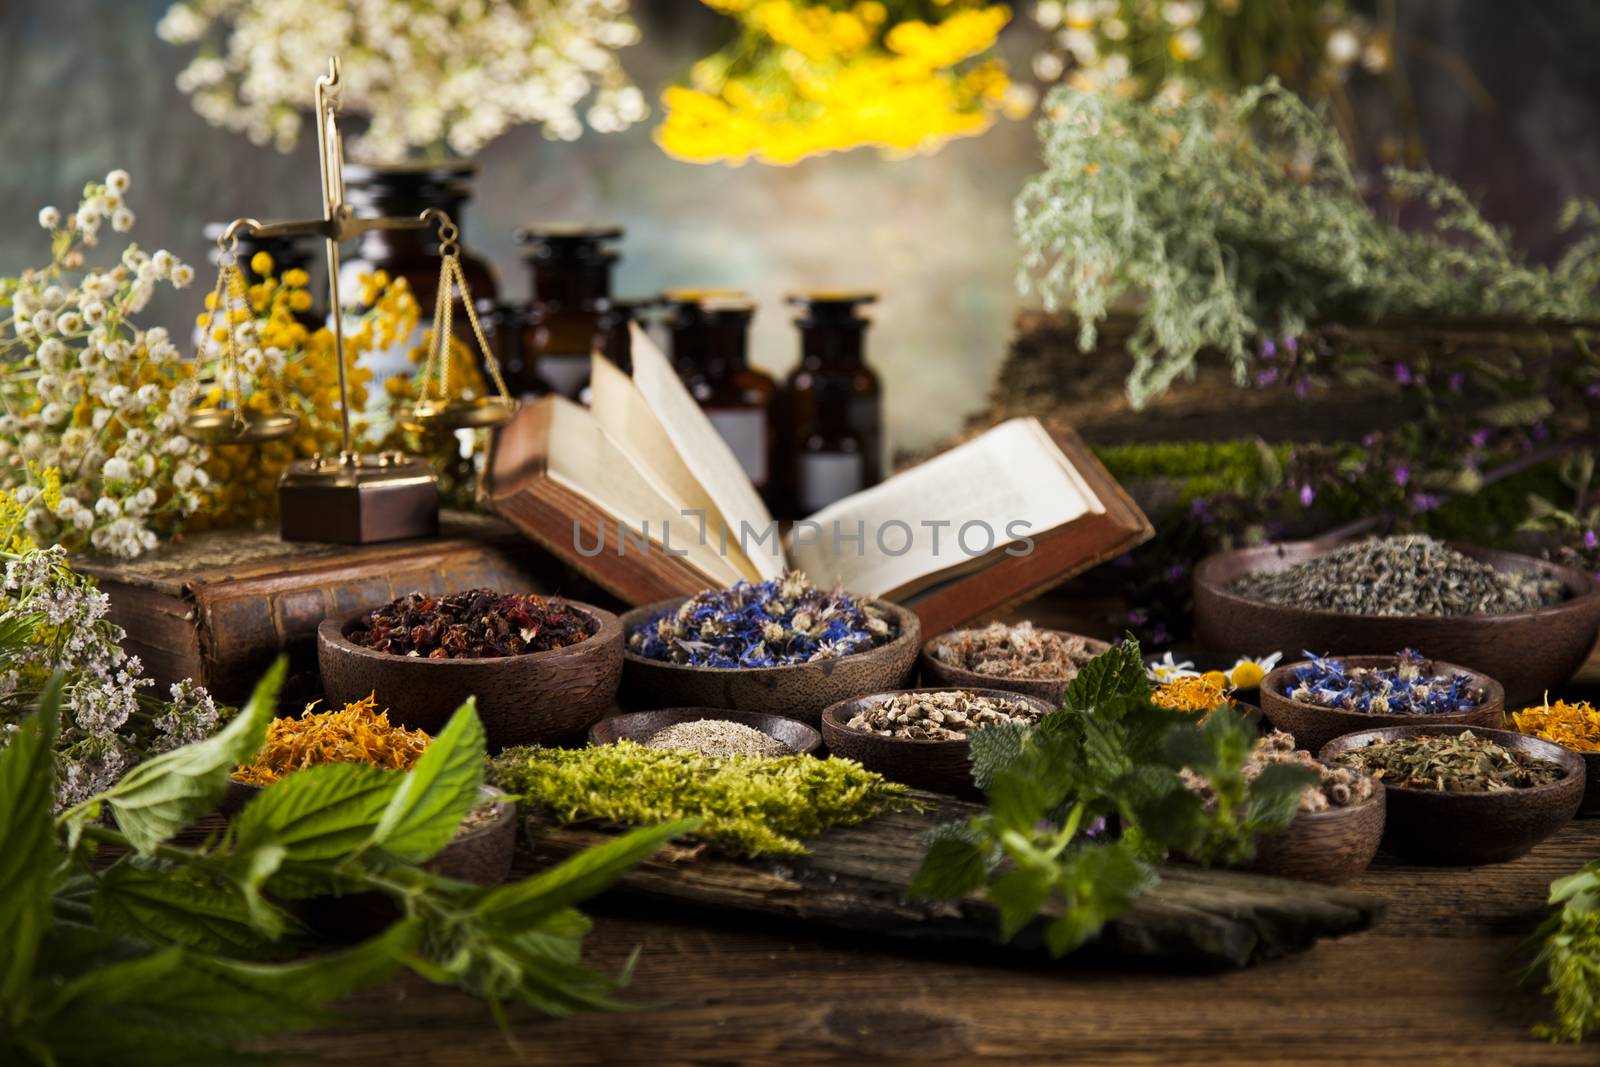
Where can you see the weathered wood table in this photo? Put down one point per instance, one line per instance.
(1431, 984)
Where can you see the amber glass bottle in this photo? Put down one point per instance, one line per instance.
(831, 440)
(570, 270)
(710, 330)
(405, 190)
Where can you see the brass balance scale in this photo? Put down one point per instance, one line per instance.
(354, 497)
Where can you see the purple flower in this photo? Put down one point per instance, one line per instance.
(1269, 349)
(1266, 376)
(1480, 437)
(1160, 635)
(1592, 390)
(1541, 432)
(1402, 475)
(1176, 571)
(1424, 502)
(1458, 381)
(1307, 495)
(1591, 540)
(1200, 509)
(1402, 373)
(1302, 388)
(1291, 344)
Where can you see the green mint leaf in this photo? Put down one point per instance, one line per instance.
(320, 813)
(438, 791)
(578, 878)
(1273, 799)
(163, 795)
(1105, 754)
(1019, 896)
(1116, 672)
(162, 906)
(952, 867)
(1172, 820)
(1018, 800)
(28, 852)
(991, 749)
(1584, 884)
(1101, 881)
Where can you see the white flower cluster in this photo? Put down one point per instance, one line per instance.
(89, 394)
(108, 723)
(454, 73)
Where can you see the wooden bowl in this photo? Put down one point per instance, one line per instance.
(799, 691)
(936, 672)
(1527, 652)
(1473, 828)
(1314, 726)
(1324, 846)
(940, 766)
(640, 725)
(531, 699)
(1591, 792)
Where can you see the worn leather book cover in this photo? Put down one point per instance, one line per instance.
(218, 607)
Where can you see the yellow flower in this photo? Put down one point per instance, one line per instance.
(261, 263)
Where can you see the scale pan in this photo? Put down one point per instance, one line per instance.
(460, 414)
(221, 426)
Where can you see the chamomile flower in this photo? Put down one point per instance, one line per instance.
(1167, 670)
(1247, 673)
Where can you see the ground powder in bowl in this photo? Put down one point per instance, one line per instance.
(717, 737)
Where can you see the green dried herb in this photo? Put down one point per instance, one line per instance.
(1450, 763)
(748, 805)
(1567, 955)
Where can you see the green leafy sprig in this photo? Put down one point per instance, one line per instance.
(174, 954)
(1046, 843)
(1566, 951)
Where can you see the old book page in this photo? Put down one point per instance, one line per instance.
(630, 422)
(708, 458)
(582, 457)
(950, 515)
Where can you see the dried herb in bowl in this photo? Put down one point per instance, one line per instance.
(1575, 725)
(940, 716)
(1018, 651)
(355, 733)
(776, 623)
(1411, 687)
(1335, 787)
(1451, 763)
(478, 624)
(1405, 575)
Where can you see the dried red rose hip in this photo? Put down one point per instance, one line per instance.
(477, 624)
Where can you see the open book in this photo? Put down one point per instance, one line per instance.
(641, 494)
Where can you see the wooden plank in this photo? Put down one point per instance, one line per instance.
(855, 877)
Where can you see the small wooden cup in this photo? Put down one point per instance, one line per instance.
(939, 766)
(1314, 726)
(938, 672)
(1468, 829)
(799, 691)
(642, 725)
(1325, 846)
(531, 699)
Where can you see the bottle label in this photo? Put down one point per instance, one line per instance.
(565, 372)
(825, 477)
(746, 434)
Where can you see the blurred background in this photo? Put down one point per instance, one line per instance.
(1505, 98)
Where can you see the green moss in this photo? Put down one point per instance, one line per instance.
(1205, 468)
(748, 805)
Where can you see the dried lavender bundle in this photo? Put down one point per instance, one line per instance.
(1403, 575)
(1018, 651)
